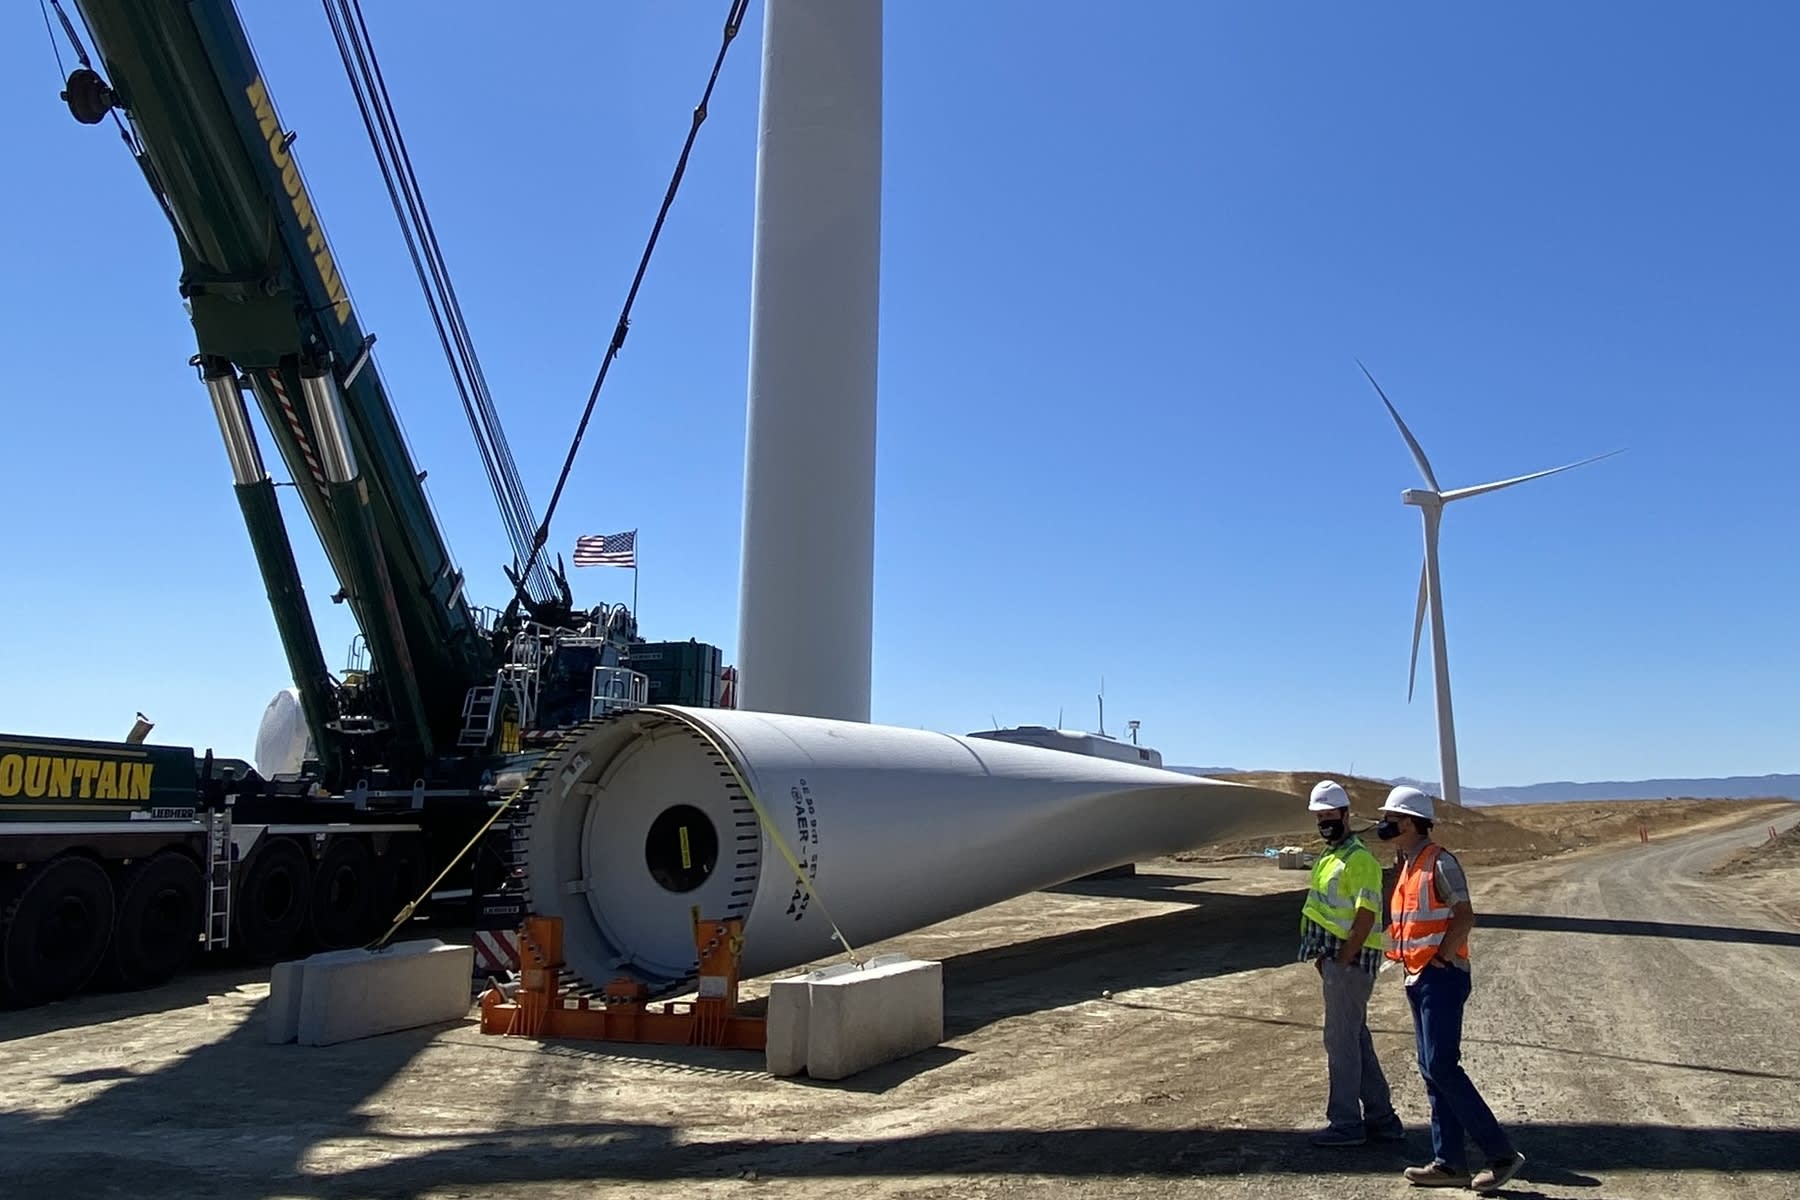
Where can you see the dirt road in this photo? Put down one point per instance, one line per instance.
(1633, 1021)
(1671, 1001)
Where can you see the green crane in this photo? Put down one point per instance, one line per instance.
(274, 322)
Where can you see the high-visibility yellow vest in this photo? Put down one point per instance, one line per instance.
(1344, 878)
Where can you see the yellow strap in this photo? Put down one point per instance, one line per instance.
(407, 912)
(769, 825)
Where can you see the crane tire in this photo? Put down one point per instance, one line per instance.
(401, 875)
(161, 914)
(274, 894)
(343, 893)
(54, 931)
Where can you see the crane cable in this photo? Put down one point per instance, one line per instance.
(391, 154)
(356, 49)
(734, 20)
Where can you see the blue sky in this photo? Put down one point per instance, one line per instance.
(1131, 255)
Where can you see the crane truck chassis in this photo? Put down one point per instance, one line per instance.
(120, 862)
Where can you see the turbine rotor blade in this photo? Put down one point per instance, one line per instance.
(1412, 443)
(1412, 668)
(1480, 488)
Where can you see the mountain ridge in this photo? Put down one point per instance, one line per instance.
(1719, 787)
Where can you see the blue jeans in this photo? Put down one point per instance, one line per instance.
(1457, 1109)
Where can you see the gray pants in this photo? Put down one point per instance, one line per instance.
(1359, 1091)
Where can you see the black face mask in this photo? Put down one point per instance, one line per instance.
(1332, 831)
(1387, 829)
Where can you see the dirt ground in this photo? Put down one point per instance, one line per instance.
(1497, 834)
(1632, 1023)
(1781, 850)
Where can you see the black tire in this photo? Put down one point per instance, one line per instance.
(54, 931)
(402, 876)
(161, 915)
(268, 913)
(343, 894)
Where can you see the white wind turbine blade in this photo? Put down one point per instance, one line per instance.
(1412, 444)
(1480, 488)
(1412, 668)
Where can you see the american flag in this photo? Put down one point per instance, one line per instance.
(606, 550)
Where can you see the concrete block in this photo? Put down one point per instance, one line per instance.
(786, 1019)
(284, 1003)
(347, 994)
(859, 1019)
(287, 986)
(790, 1000)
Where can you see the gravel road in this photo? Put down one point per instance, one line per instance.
(1645, 1019)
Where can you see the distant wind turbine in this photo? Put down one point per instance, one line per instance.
(1430, 503)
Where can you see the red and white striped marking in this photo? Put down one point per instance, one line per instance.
(496, 950)
(293, 420)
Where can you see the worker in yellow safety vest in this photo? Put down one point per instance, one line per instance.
(1340, 934)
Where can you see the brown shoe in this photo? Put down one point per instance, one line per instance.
(1497, 1172)
(1436, 1174)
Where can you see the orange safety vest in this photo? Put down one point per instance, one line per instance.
(1418, 920)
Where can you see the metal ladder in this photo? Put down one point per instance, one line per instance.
(218, 879)
(478, 716)
(521, 681)
(521, 674)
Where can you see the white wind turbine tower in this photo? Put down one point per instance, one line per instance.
(1430, 503)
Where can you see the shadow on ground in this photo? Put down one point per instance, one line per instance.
(1613, 927)
(97, 1007)
(735, 1065)
(1144, 885)
(1406, 1032)
(213, 974)
(1573, 1155)
(1220, 933)
(1563, 1155)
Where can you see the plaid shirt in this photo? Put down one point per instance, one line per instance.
(1318, 942)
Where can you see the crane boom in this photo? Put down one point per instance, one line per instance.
(272, 314)
(405, 802)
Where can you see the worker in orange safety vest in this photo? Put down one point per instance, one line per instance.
(1428, 935)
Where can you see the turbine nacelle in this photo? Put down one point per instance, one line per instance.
(1421, 498)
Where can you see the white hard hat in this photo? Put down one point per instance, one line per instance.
(1410, 802)
(1328, 797)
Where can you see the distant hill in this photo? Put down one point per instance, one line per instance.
(1734, 787)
